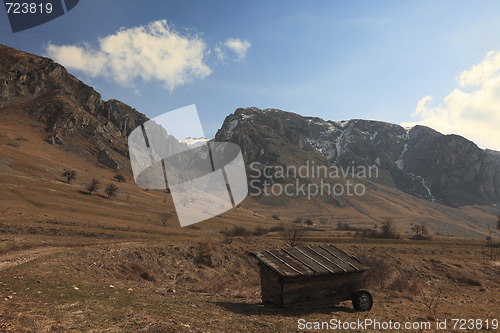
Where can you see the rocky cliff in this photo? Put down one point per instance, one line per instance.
(420, 161)
(73, 114)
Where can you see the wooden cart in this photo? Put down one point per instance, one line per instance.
(312, 276)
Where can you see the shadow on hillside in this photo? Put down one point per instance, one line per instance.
(251, 309)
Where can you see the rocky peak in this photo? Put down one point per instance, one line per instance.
(419, 161)
(72, 112)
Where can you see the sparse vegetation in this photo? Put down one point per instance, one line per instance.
(421, 232)
(111, 190)
(259, 231)
(164, 217)
(431, 302)
(69, 175)
(93, 186)
(343, 226)
(492, 248)
(293, 233)
(388, 229)
(119, 178)
(228, 237)
(240, 231)
(275, 217)
(203, 254)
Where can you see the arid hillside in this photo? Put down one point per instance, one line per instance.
(71, 260)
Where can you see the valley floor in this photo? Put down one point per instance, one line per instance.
(207, 286)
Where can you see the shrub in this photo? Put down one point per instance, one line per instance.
(111, 190)
(343, 226)
(203, 254)
(293, 234)
(93, 186)
(69, 175)
(259, 231)
(308, 222)
(367, 233)
(276, 228)
(119, 178)
(421, 232)
(277, 218)
(239, 231)
(164, 217)
(388, 229)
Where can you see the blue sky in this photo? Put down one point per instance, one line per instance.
(394, 61)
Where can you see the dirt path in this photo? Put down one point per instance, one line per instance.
(16, 258)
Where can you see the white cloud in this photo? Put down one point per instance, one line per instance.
(236, 46)
(152, 52)
(481, 73)
(473, 114)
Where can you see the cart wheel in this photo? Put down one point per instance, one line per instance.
(362, 301)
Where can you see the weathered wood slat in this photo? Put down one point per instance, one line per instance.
(317, 259)
(275, 264)
(305, 260)
(297, 265)
(335, 265)
(312, 284)
(288, 263)
(353, 262)
(336, 261)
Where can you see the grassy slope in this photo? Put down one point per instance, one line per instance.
(72, 261)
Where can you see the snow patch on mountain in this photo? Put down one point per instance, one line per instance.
(421, 179)
(194, 142)
(338, 145)
(230, 131)
(325, 147)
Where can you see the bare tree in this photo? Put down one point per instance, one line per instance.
(119, 178)
(490, 242)
(111, 190)
(293, 233)
(164, 217)
(93, 186)
(432, 301)
(228, 237)
(69, 175)
(388, 229)
(421, 231)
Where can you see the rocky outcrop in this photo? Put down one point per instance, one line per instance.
(72, 112)
(420, 161)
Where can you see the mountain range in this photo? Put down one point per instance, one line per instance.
(419, 161)
(445, 181)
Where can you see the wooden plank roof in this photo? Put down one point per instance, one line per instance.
(309, 260)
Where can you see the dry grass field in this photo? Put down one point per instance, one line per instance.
(70, 261)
